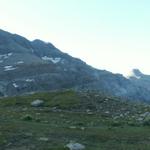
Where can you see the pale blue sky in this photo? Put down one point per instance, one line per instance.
(107, 34)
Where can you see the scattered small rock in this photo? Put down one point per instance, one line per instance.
(29, 134)
(38, 113)
(140, 119)
(82, 128)
(145, 114)
(121, 115)
(106, 99)
(45, 139)
(72, 127)
(25, 109)
(107, 112)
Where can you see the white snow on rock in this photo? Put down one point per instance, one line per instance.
(9, 68)
(75, 146)
(20, 62)
(29, 80)
(137, 77)
(54, 60)
(9, 54)
(46, 58)
(133, 75)
(5, 56)
(15, 85)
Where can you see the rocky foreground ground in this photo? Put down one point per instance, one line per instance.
(69, 120)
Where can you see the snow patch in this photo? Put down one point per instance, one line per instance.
(20, 62)
(15, 85)
(5, 56)
(29, 80)
(9, 54)
(54, 60)
(137, 77)
(8, 68)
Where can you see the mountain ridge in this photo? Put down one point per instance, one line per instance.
(32, 66)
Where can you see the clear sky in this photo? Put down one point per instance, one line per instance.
(107, 34)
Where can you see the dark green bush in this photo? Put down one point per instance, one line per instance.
(27, 118)
(116, 123)
(146, 122)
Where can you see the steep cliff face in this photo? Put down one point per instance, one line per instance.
(30, 66)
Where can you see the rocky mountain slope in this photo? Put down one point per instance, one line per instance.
(31, 66)
(140, 79)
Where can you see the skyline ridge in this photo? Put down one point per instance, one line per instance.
(49, 42)
(112, 34)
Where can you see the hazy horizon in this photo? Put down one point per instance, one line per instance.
(110, 35)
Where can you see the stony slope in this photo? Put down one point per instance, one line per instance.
(92, 119)
(31, 66)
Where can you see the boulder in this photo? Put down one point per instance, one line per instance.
(37, 103)
(75, 146)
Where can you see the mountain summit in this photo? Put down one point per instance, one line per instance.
(140, 79)
(135, 73)
(32, 66)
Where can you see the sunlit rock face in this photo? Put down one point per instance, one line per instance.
(31, 66)
(135, 73)
(140, 79)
